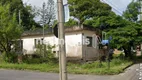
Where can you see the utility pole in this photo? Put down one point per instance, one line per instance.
(43, 18)
(20, 42)
(62, 50)
(20, 26)
(43, 28)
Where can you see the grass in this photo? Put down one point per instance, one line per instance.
(38, 67)
(116, 66)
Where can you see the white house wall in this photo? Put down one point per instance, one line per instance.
(73, 43)
(28, 45)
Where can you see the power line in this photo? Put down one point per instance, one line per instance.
(113, 6)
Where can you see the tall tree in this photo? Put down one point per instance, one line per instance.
(47, 13)
(86, 9)
(132, 11)
(124, 36)
(27, 19)
(124, 32)
(10, 30)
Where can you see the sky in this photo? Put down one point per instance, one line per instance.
(38, 3)
(118, 6)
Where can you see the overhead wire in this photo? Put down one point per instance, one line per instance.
(114, 7)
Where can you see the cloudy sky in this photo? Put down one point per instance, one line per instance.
(38, 3)
(118, 6)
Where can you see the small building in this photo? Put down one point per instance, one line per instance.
(81, 42)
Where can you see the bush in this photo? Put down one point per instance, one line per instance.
(39, 57)
(1, 58)
(96, 64)
(10, 57)
(48, 55)
(31, 58)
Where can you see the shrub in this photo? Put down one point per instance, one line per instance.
(10, 57)
(38, 56)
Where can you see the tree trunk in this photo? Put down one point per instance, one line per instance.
(127, 52)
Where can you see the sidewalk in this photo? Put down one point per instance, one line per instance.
(131, 73)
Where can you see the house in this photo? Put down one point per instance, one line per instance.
(81, 42)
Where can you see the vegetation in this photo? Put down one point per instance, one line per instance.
(83, 10)
(132, 11)
(71, 23)
(27, 18)
(47, 13)
(10, 31)
(116, 66)
(128, 34)
(43, 54)
(125, 34)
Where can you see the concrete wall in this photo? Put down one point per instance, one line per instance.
(75, 47)
(73, 44)
(90, 53)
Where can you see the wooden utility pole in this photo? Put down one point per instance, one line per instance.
(62, 50)
(43, 46)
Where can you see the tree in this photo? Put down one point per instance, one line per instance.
(10, 30)
(87, 9)
(94, 13)
(47, 13)
(110, 21)
(27, 19)
(124, 37)
(132, 11)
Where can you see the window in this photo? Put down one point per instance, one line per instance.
(37, 42)
(90, 41)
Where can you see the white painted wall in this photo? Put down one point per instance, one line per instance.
(73, 43)
(74, 47)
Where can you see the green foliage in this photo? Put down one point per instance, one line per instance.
(132, 11)
(31, 59)
(110, 21)
(123, 35)
(11, 57)
(43, 54)
(27, 18)
(116, 66)
(48, 67)
(10, 30)
(71, 23)
(86, 9)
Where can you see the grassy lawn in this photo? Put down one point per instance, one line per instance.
(116, 67)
